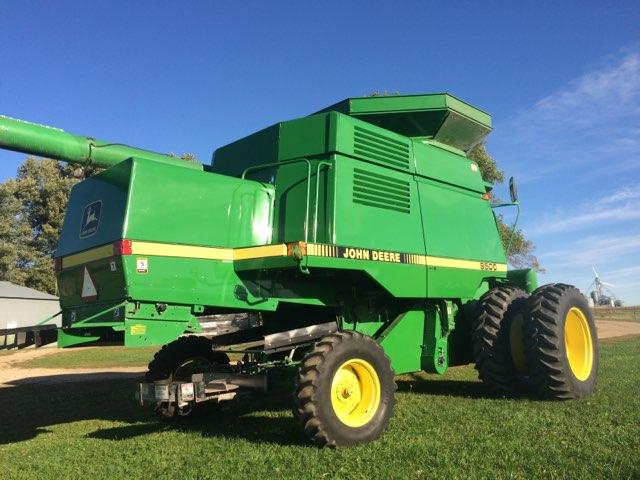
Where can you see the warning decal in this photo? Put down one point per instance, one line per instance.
(89, 291)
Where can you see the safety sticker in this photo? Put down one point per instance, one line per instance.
(142, 265)
(138, 329)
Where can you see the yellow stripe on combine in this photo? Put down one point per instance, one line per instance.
(184, 251)
(279, 250)
(208, 253)
(321, 250)
(88, 256)
(468, 264)
(264, 251)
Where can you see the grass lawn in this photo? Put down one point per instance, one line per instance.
(444, 427)
(95, 357)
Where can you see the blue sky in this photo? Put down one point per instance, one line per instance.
(561, 81)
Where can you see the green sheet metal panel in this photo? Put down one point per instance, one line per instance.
(376, 208)
(314, 137)
(458, 224)
(106, 273)
(106, 194)
(172, 205)
(398, 279)
(256, 149)
(403, 340)
(373, 144)
(189, 281)
(448, 167)
(163, 204)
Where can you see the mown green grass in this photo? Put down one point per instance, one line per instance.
(444, 427)
(95, 357)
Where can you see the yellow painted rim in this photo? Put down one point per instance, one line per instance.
(578, 343)
(355, 392)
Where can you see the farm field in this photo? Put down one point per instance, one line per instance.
(445, 427)
(628, 314)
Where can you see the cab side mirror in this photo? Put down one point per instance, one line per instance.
(513, 190)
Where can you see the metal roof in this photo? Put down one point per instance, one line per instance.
(11, 290)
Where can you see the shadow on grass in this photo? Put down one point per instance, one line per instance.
(29, 408)
(414, 383)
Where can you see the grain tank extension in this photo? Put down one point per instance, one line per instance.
(345, 247)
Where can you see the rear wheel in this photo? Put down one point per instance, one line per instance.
(561, 344)
(498, 348)
(344, 391)
(180, 359)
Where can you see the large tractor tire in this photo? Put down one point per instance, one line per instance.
(179, 360)
(498, 348)
(561, 343)
(344, 391)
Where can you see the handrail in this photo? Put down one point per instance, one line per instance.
(96, 315)
(315, 213)
(264, 166)
(50, 317)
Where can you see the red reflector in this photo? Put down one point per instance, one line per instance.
(57, 263)
(122, 247)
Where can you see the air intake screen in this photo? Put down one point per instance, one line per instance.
(381, 149)
(375, 190)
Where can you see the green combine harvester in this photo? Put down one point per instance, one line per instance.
(345, 247)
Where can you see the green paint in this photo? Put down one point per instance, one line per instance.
(402, 341)
(384, 174)
(435, 356)
(526, 278)
(49, 142)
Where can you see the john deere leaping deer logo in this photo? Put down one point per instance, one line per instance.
(90, 219)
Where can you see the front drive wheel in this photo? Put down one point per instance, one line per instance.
(561, 343)
(344, 391)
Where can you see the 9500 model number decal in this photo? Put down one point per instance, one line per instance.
(493, 267)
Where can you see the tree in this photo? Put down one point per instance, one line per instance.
(32, 208)
(520, 249)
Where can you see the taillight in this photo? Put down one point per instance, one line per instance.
(122, 247)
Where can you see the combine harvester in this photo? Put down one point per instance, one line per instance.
(345, 247)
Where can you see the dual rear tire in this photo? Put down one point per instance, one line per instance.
(545, 343)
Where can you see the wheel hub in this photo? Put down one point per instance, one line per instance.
(355, 392)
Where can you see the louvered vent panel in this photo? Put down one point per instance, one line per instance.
(375, 190)
(381, 148)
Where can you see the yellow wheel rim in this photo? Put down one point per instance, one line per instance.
(578, 343)
(355, 392)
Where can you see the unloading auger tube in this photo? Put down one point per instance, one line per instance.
(50, 142)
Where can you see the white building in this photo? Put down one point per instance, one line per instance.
(25, 307)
